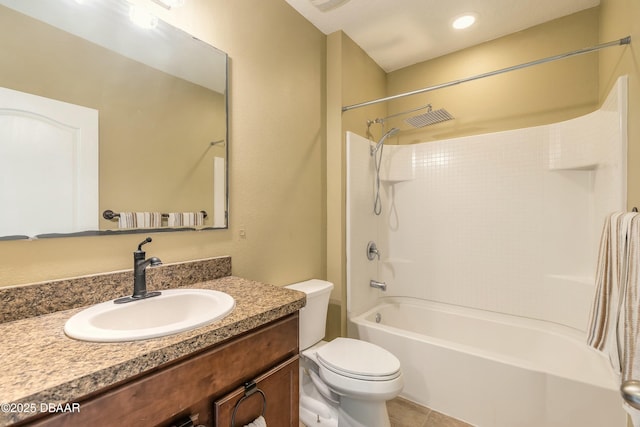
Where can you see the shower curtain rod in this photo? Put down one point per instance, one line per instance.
(622, 41)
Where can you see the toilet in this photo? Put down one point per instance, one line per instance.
(344, 382)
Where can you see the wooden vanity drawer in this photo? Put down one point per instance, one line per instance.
(190, 385)
(279, 400)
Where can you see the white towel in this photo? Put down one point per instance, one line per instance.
(614, 326)
(148, 219)
(174, 219)
(604, 312)
(126, 220)
(258, 422)
(630, 307)
(185, 219)
(140, 220)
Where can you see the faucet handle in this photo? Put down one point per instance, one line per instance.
(372, 251)
(144, 242)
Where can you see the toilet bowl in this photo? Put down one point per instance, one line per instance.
(344, 382)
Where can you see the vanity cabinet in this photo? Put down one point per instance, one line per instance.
(204, 386)
(267, 394)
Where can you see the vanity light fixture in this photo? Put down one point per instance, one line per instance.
(464, 21)
(142, 17)
(168, 4)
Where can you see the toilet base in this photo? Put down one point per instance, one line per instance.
(362, 413)
(310, 418)
(315, 410)
(351, 413)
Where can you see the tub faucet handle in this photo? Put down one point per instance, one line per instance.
(372, 251)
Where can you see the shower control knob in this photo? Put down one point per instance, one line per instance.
(372, 251)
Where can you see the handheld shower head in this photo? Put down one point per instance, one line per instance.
(377, 204)
(391, 132)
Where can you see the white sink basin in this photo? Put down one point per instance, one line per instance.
(175, 310)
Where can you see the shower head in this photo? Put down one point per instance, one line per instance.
(391, 132)
(429, 118)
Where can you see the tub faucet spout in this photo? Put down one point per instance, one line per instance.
(380, 285)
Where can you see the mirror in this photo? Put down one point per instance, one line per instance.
(160, 100)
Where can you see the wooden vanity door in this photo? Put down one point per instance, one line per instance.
(280, 386)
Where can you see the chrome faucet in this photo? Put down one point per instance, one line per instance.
(140, 276)
(372, 251)
(380, 285)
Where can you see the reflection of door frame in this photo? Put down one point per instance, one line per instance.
(74, 156)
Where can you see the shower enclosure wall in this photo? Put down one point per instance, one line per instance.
(505, 223)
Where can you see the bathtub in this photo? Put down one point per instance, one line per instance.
(494, 370)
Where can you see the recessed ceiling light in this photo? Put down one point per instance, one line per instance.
(168, 4)
(326, 5)
(464, 21)
(142, 17)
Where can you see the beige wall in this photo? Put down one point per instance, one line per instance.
(351, 77)
(530, 96)
(276, 158)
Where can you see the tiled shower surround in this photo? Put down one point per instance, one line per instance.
(507, 222)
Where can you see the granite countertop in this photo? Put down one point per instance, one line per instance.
(41, 365)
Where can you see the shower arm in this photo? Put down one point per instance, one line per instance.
(622, 41)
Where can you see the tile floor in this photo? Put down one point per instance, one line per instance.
(403, 413)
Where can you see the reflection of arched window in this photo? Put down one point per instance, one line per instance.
(49, 164)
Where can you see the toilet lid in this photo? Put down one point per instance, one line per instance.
(358, 359)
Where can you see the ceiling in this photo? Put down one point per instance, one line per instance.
(399, 33)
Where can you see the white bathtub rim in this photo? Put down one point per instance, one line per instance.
(613, 383)
(494, 316)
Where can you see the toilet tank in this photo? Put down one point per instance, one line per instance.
(313, 316)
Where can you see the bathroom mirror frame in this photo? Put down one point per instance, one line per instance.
(186, 71)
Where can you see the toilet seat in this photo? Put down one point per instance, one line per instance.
(359, 360)
(359, 370)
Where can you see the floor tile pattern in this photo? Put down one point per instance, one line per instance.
(403, 413)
